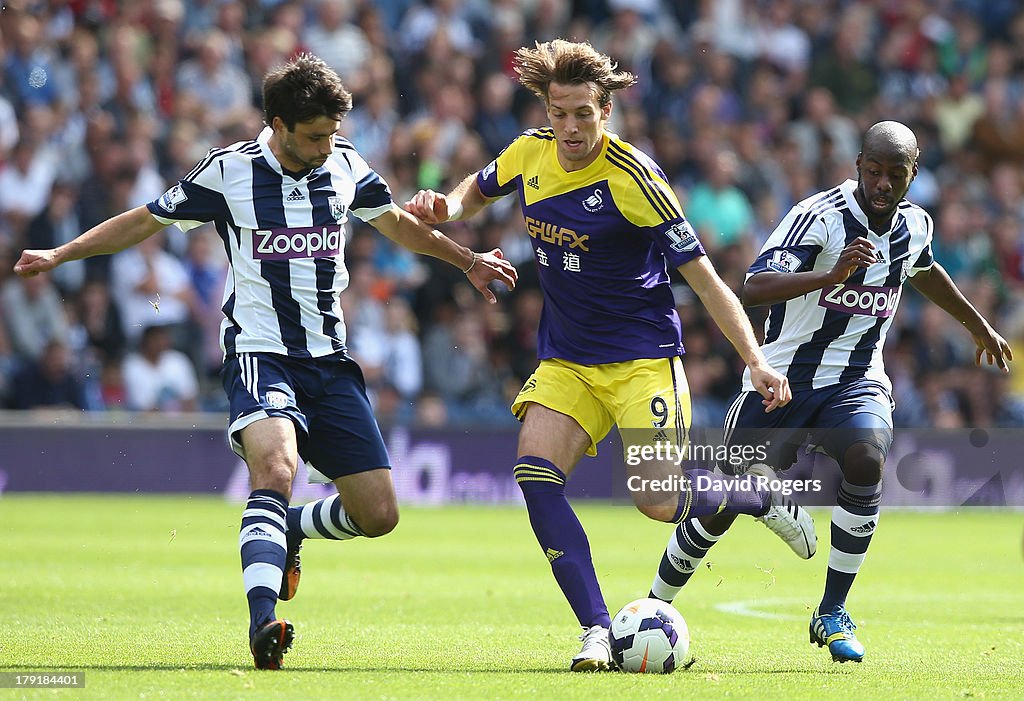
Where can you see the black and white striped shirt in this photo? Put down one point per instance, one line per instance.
(284, 237)
(836, 334)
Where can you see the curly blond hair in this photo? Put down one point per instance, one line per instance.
(569, 63)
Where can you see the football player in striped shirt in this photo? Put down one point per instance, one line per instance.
(605, 227)
(833, 273)
(279, 203)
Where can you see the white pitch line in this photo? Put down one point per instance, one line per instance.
(747, 608)
(750, 608)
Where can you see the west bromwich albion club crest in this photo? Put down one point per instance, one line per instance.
(337, 208)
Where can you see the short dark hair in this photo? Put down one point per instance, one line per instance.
(569, 63)
(303, 89)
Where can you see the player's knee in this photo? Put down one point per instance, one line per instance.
(663, 511)
(274, 475)
(380, 521)
(863, 463)
(717, 524)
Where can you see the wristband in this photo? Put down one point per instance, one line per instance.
(455, 214)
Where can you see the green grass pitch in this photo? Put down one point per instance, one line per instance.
(144, 595)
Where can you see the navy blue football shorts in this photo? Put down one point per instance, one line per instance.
(831, 419)
(324, 397)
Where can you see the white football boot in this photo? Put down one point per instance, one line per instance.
(787, 519)
(596, 654)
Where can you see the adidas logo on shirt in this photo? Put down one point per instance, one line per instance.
(533, 182)
(295, 195)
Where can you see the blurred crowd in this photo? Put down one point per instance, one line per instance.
(748, 105)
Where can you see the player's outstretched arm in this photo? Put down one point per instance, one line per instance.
(481, 268)
(935, 284)
(115, 234)
(727, 312)
(771, 287)
(461, 203)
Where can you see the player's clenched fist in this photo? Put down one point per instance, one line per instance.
(429, 207)
(33, 262)
(859, 254)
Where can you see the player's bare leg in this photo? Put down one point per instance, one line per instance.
(369, 500)
(271, 454)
